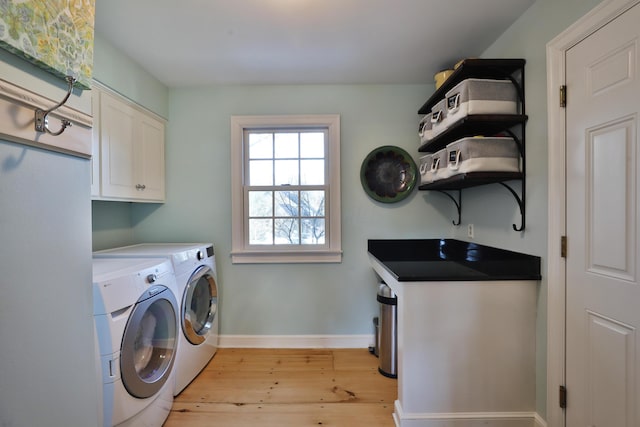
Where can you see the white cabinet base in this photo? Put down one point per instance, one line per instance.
(466, 352)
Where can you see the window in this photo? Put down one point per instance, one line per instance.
(285, 189)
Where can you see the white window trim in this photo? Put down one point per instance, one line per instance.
(240, 253)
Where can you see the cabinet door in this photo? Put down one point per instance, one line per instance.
(117, 151)
(150, 159)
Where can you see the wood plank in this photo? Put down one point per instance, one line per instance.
(280, 415)
(271, 360)
(354, 359)
(295, 387)
(287, 387)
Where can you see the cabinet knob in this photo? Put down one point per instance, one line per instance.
(140, 186)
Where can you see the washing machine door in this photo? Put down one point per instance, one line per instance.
(149, 342)
(199, 305)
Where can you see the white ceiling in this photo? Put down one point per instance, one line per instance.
(197, 42)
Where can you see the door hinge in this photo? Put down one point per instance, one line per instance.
(563, 246)
(563, 397)
(563, 96)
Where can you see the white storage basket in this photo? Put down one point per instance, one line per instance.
(426, 175)
(439, 120)
(425, 131)
(439, 169)
(481, 96)
(479, 154)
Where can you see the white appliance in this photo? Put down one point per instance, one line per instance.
(136, 320)
(194, 266)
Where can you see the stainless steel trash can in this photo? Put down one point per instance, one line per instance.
(387, 339)
(374, 350)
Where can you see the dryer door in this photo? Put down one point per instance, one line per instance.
(149, 342)
(199, 305)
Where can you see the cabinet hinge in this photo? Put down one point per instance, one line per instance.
(563, 397)
(563, 246)
(563, 96)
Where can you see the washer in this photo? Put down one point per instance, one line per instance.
(194, 266)
(136, 321)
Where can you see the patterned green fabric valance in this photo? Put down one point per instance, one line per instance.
(56, 35)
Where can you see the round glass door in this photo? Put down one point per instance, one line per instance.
(200, 305)
(149, 343)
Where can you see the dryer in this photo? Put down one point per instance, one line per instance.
(195, 270)
(135, 315)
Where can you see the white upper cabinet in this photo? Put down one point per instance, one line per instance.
(151, 159)
(130, 142)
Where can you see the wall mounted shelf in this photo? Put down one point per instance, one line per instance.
(512, 125)
(479, 124)
(482, 69)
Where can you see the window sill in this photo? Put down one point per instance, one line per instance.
(285, 257)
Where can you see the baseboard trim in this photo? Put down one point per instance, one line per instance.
(539, 421)
(467, 419)
(295, 341)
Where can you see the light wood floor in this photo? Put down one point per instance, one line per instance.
(278, 387)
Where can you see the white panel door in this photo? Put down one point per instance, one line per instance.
(603, 293)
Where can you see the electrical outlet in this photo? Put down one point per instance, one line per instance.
(470, 231)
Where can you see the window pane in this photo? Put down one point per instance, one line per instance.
(286, 203)
(312, 172)
(286, 145)
(260, 231)
(312, 145)
(312, 203)
(312, 231)
(261, 172)
(260, 203)
(286, 172)
(287, 232)
(260, 145)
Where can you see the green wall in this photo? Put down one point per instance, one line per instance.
(119, 72)
(303, 298)
(47, 364)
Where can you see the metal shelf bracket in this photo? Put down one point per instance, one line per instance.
(520, 205)
(458, 204)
